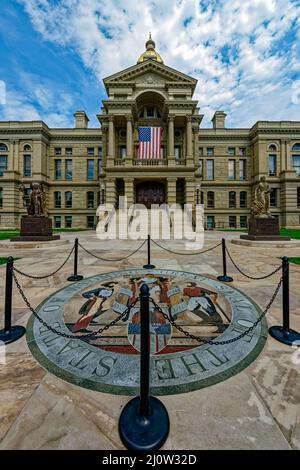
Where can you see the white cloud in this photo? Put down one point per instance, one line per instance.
(109, 36)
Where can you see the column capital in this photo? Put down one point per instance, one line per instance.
(129, 118)
(111, 118)
(189, 118)
(171, 118)
(128, 179)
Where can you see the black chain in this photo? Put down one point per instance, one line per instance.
(114, 259)
(184, 254)
(66, 335)
(247, 275)
(218, 343)
(46, 275)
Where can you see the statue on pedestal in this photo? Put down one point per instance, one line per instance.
(261, 204)
(37, 200)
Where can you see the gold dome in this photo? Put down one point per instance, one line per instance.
(150, 52)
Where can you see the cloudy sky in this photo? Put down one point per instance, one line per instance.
(244, 53)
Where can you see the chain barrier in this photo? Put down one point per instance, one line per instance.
(46, 275)
(184, 254)
(212, 342)
(114, 259)
(247, 275)
(67, 335)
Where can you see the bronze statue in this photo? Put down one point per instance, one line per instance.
(37, 201)
(261, 204)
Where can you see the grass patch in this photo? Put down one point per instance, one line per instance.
(4, 260)
(290, 233)
(5, 234)
(294, 260)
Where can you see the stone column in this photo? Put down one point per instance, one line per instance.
(282, 156)
(111, 137)
(172, 190)
(288, 159)
(189, 150)
(111, 191)
(171, 138)
(189, 191)
(129, 141)
(129, 190)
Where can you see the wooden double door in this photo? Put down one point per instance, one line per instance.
(150, 192)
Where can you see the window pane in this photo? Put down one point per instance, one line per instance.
(209, 151)
(3, 148)
(90, 169)
(90, 221)
(210, 221)
(232, 199)
(69, 151)
(90, 200)
(242, 150)
(3, 164)
(232, 221)
(57, 221)
(231, 169)
(273, 197)
(90, 151)
(210, 169)
(57, 199)
(100, 151)
(231, 150)
(243, 199)
(242, 168)
(69, 169)
(123, 151)
(68, 199)
(177, 151)
(57, 169)
(272, 165)
(27, 165)
(243, 221)
(296, 147)
(210, 199)
(68, 221)
(57, 151)
(296, 164)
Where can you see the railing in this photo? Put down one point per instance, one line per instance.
(180, 161)
(150, 162)
(119, 161)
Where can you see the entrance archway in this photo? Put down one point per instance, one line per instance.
(150, 192)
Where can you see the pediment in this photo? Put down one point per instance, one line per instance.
(150, 72)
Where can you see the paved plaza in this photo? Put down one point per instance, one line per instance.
(255, 406)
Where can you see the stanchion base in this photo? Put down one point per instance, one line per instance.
(225, 278)
(75, 278)
(11, 335)
(149, 266)
(138, 433)
(289, 337)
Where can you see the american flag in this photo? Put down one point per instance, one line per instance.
(149, 142)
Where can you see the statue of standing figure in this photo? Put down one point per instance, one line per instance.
(37, 200)
(261, 204)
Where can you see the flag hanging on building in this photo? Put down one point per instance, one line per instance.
(149, 142)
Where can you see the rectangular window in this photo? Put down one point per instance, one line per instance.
(232, 221)
(90, 169)
(90, 151)
(99, 166)
(232, 199)
(57, 150)
(242, 169)
(69, 169)
(68, 221)
(57, 221)
(57, 175)
(231, 170)
(69, 151)
(209, 169)
(242, 151)
(27, 165)
(231, 151)
(298, 197)
(273, 197)
(177, 152)
(90, 221)
(210, 221)
(122, 151)
(243, 199)
(57, 199)
(210, 151)
(201, 168)
(272, 165)
(99, 151)
(1, 198)
(68, 199)
(90, 200)
(296, 164)
(3, 164)
(243, 221)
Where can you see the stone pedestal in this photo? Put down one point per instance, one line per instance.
(35, 228)
(263, 229)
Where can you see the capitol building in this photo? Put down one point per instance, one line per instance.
(81, 167)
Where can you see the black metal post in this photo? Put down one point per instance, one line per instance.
(284, 333)
(224, 278)
(10, 333)
(75, 276)
(149, 265)
(144, 422)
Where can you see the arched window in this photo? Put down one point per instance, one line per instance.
(243, 199)
(68, 199)
(296, 148)
(210, 199)
(27, 148)
(232, 199)
(3, 148)
(272, 148)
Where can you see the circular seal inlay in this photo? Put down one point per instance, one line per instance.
(110, 362)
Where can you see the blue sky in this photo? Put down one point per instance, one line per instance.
(244, 53)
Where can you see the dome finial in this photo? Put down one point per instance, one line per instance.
(150, 52)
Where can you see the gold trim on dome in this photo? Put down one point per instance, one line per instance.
(150, 52)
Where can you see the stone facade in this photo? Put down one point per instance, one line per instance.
(218, 167)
